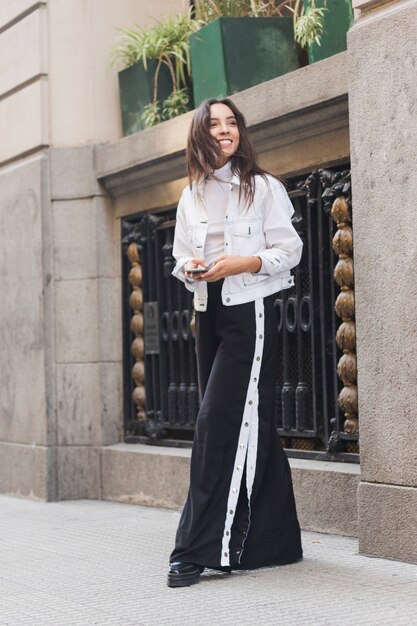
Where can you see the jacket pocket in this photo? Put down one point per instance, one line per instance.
(197, 235)
(253, 279)
(247, 237)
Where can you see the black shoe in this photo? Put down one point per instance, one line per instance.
(221, 568)
(183, 574)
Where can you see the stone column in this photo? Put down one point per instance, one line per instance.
(363, 7)
(383, 124)
(87, 322)
(27, 387)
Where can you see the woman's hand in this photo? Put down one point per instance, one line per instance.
(192, 264)
(229, 265)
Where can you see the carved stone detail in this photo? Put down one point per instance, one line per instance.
(136, 326)
(345, 309)
(346, 336)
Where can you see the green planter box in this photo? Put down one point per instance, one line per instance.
(337, 21)
(136, 91)
(234, 53)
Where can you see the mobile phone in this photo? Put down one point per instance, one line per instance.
(198, 270)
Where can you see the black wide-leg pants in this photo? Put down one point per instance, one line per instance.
(240, 510)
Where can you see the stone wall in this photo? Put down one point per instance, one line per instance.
(60, 338)
(383, 125)
(27, 424)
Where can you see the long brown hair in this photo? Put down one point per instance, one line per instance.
(204, 154)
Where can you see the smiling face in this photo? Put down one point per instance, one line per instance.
(224, 129)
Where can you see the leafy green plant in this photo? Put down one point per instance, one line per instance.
(308, 22)
(176, 104)
(309, 26)
(209, 10)
(157, 112)
(167, 42)
(151, 115)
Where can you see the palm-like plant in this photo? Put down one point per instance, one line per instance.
(308, 22)
(209, 10)
(168, 44)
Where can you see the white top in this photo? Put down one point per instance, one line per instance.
(216, 198)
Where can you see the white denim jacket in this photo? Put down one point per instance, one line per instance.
(263, 229)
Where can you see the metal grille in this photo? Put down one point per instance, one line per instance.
(307, 413)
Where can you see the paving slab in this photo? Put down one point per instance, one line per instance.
(87, 562)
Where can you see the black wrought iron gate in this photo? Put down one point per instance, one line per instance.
(160, 376)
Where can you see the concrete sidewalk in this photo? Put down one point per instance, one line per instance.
(93, 562)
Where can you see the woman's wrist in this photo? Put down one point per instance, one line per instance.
(254, 264)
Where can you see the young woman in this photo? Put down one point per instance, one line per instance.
(234, 245)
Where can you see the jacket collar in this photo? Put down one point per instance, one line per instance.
(199, 185)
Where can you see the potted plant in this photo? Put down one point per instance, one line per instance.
(320, 26)
(234, 51)
(155, 82)
(337, 19)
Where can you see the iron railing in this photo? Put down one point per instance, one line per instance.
(308, 417)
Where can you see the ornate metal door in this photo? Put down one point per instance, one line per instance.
(316, 395)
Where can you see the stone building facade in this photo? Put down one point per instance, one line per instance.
(66, 179)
